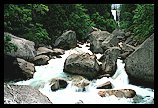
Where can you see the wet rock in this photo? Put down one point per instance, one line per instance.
(79, 102)
(58, 56)
(87, 45)
(44, 51)
(106, 85)
(58, 51)
(41, 60)
(58, 83)
(109, 60)
(125, 55)
(127, 93)
(80, 83)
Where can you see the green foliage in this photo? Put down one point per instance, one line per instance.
(67, 17)
(8, 46)
(99, 21)
(37, 34)
(139, 19)
(42, 22)
(56, 20)
(143, 21)
(126, 15)
(18, 18)
(80, 21)
(101, 16)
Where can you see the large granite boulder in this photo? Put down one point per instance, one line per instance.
(17, 69)
(140, 64)
(96, 39)
(100, 41)
(25, 47)
(67, 40)
(23, 94)
(109, 60)
(82, 64)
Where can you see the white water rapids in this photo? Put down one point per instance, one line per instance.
(69, 95)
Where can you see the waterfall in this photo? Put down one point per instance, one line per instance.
(116, 13)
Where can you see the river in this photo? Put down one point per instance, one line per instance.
(72, 95)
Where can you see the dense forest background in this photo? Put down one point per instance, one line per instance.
(139, 19)
(44, 23)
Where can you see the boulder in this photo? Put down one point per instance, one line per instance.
(58, 51)
(106, 85)
(25, 47)
(125, 55)
(23, 94)
(126, 50)
(44, 51)
(80, 83)
(58, 83)
(109, 60)
(96, 39)
(110, 41)
(140, 64)
(119, 34)
(66, 41)
(41, 60)
(79, 102)
(131, 41)
(127, 93)
(82, 64)
(17, 69)
(128, 34)
(50, 53)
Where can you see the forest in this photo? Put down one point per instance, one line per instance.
(44, 23)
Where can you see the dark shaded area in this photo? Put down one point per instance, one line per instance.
(140, 82)
(12, 72)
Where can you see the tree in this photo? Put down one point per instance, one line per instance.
(126, 15)
(80, 22)
(143, 22)
(67, 17)
(19, 19)
(101, 15)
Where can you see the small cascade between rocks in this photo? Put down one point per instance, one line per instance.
(85, 94)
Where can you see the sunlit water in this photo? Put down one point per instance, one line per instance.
(72, 94)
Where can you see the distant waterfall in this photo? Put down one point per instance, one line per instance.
(116, 13)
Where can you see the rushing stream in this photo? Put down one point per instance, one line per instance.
(72, 95)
